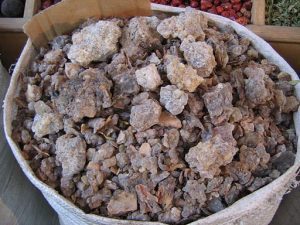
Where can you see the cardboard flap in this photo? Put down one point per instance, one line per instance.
(65, 16)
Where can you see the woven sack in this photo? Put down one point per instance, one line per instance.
(257, 208)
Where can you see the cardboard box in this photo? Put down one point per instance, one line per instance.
(50, 23)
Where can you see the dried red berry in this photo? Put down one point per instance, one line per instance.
(235, 1)
(242, 20)
(237, 7)
(219, 9)
(182, 6)
(232, 13)
(163, 2)
(176, 3)
(194, 4)
(205, 4)
(217, 2)
(227, 6)
(213, 10)
(225, 14)
(247, 5)
(225, 1)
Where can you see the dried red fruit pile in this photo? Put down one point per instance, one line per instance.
(156, 119)
(237, 10)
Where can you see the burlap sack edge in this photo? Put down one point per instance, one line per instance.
(239, 209)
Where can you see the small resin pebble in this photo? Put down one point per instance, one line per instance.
(173, 99)
(87, 44)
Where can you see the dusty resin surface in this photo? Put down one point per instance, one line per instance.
(155, 119)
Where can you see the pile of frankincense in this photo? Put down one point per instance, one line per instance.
(156, 119)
